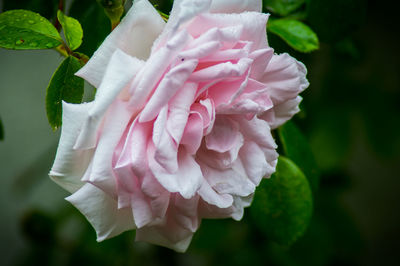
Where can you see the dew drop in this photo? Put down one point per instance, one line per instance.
(31, 21)
(49, 45)
(25, 15)
(19, 42)
(41, 19)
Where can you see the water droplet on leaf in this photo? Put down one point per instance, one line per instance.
(31, 21)
(49, 45)
(19, 42)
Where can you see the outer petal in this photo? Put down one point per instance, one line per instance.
(120, 71)
(134, 35)
(177, 228)
(285, 77)
(101, 174)
(70, 165)
(284, 111)
(235, 6)
(102, 212)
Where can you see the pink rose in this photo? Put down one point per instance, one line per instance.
(180, 129)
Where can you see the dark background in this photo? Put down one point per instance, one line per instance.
(350, 115)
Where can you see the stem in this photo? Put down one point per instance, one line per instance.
(61, 5)
(114, 24)
(61, 49)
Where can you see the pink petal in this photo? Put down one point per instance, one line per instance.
(101, 173)
(193, 133)
(179, 108)
(285, 78)
(167, 88)
(186, 180)
(224, 136)
(165, 148)
(154, 69)
(255, 163)
(209, 195)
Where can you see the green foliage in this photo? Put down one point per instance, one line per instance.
(282, 205)
(334, 20)
(23, 29)
(64, 86)
(295, 33)
(330, 138)
(47, 8)
(1, 130)
(296, 147)
(283, 7)
(72, 30)
(114, 9)
(95, 24)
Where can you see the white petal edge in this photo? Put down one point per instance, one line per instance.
(235, 6)
(102, 212)
(121, 69)
(70, 165)
(134, 35)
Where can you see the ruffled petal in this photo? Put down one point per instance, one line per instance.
(285, 77)
(186, 180)
(134, 35)
(102, 212)
(70, 165)
(121, 69)
(101, 173)
(176, 230)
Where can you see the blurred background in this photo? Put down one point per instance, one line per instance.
(350, 116)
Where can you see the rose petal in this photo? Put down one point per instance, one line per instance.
(186, 180)
(285, 78)
(209, 195)
(193, 133)
(102, 212)
(167, 88)
(179, 108)
(224, 136)
(120, 71)
(134, 35)
(285, 111)
(70, 165)
(235, 6)
(255, 163)
(101, 174)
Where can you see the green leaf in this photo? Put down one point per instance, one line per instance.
(64, 86)
(114, 9)
(72, 30)
(94, 22)
(282, 205)
(1, 130)
(296, 147)
(283, 7)
(23, 29)
(295, 33)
